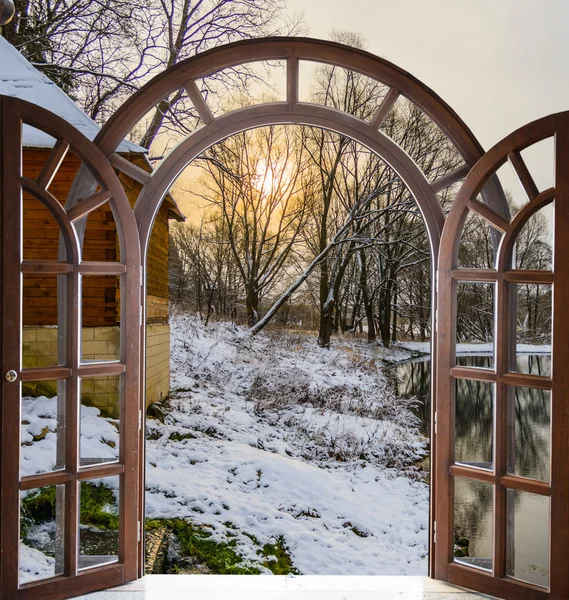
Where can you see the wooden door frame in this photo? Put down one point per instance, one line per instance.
(498, 583)
(14, 113)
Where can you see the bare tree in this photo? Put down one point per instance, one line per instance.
(255, 183)
(101, 51)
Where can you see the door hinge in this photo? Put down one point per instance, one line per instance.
(139, 530)
(139, 420)
(435, 532)
(435, 419)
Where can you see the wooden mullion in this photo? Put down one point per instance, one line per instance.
(537, 277)
(44, 480)
(48, 267)
(125, 166)
(101, 369)
(198, 101)
(474, 373)
(532, 486)
(84, 207)
(526, 380)
(488, 214)
(459, 470)
(53, 163)
(386, 105)
(72, 432)
(292, 75)
(100, 471)
(450, 178)
(485, 275)
(520, 167)
(500, 434)
(102, 268)
(45, 373)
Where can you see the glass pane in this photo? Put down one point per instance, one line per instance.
(100, 318)
(533, 248)
(40, 231)
(100, 238)
(266, 83)
(540, 159)
(41, 346)
(529, 410)
(41, 533)
(100, 408)
(340, 88)
(475, 318)
(43, 427)
(503, 191)
(478, 244)
(532, 306)
(474, 423)
(98, 522)
(473, 510)
(527, 548)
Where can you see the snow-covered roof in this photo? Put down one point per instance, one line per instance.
(20, 79)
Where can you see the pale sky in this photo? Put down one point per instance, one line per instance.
(498, 63)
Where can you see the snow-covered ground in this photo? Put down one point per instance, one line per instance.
(271, 438)
(291, 441)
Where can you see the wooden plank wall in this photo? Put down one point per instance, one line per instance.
(41, 240)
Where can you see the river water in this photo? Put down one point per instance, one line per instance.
(528, 514)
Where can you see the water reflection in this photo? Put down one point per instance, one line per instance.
(528, 456)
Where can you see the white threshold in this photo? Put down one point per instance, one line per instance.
(301, 587)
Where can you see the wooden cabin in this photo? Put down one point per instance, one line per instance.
(100, 294)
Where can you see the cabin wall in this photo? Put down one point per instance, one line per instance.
(100, 295)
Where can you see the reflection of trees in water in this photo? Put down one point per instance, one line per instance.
(473, 504)
(473, 422)
(532, 430)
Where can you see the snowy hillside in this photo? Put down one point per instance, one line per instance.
(272, 440)
(272, 437)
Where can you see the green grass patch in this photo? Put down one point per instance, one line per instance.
(283, 563)
(94, 499)
(220, 558)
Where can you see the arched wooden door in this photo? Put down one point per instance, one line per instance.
(502, 506)
(55, 463)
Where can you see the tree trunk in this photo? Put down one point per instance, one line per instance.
(252, 304)
(384, 315)
(368, 305)
(394, 319)
(325, 329)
